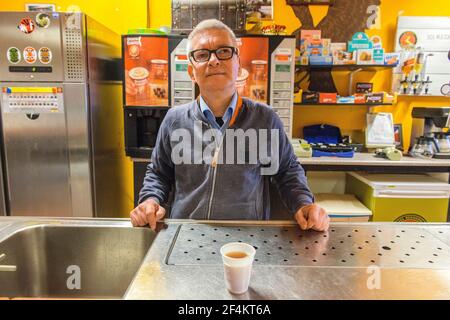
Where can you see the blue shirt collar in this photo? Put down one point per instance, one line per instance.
(210, 115)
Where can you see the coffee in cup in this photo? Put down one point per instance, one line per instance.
(237, 260)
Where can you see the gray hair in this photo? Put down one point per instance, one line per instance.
(207, 25)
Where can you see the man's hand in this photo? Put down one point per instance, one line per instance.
(313, 217)
(148, 212)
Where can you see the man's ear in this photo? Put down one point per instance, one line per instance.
(191, 72)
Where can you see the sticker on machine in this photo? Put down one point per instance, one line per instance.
(45, 55)
(13, 55)
(43, 20)
(407, 39)
(26, 25)
(410, 217)
(29, 55)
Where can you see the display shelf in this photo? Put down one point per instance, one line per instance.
(344, 104)
(147, 107)
(346, 67)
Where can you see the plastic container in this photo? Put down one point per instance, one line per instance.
(401, 197)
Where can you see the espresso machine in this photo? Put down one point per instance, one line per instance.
(430, 137)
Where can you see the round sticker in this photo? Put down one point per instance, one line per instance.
(43, 20)
(29, 55)
(410, 217)
(26, 25)
(13, 55)
(407, 39)
(45, 55)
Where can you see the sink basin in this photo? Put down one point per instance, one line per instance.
(73, 261)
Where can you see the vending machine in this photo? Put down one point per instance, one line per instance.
(60, 139)
(156, 79)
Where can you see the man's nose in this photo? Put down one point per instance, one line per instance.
(213, 61)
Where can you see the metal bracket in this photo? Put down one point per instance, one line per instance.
(350, 80)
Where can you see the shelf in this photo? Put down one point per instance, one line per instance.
(344, 104)
(148, 107)
(419, 95)
(346, 67)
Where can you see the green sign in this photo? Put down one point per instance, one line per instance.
(181, 67)
(282, 68)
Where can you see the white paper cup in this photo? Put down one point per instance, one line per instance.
(237, 270)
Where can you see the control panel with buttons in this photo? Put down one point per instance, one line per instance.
(32, 99)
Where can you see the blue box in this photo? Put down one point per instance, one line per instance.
(320, 60)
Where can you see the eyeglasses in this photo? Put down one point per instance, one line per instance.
(222, 53)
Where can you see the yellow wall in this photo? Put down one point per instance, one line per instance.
(117, 15)
(348, 118)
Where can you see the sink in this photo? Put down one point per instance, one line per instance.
(73, 261)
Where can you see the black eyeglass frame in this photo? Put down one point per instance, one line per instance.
(234, 51)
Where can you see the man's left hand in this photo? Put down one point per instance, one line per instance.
(312, 216)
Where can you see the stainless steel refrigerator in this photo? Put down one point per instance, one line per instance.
(61, 150)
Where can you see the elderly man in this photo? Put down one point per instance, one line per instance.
(203, 186)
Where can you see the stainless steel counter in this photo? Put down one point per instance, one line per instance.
(408, 261)
(412, 261)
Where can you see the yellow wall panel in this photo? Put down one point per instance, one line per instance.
(117, 15)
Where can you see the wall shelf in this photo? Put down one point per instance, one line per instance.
(346, 67)
(344, 104)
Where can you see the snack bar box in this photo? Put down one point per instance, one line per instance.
(401, 197)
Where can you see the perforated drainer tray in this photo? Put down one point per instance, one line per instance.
(346, 246)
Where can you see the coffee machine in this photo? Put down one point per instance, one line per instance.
(429, 134)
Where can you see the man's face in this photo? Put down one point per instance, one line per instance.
(214, 75)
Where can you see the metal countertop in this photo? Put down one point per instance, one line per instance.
(408, 261)
(412, 260)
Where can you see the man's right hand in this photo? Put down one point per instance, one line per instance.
(148, 212)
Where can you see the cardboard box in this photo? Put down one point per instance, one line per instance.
(320, 60)
(378, 56)
(304, 60)
(376, 42)
(360, 98)
(391, 59)
(336, 48)
(364, 56)
(325, 97)
(310, 36)
(360, 40)
(364, 87)
(388, 98)
(313, 51)
(344, 57)
(350, 99)
(310, 97)
(374, 97)
(326, 42)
